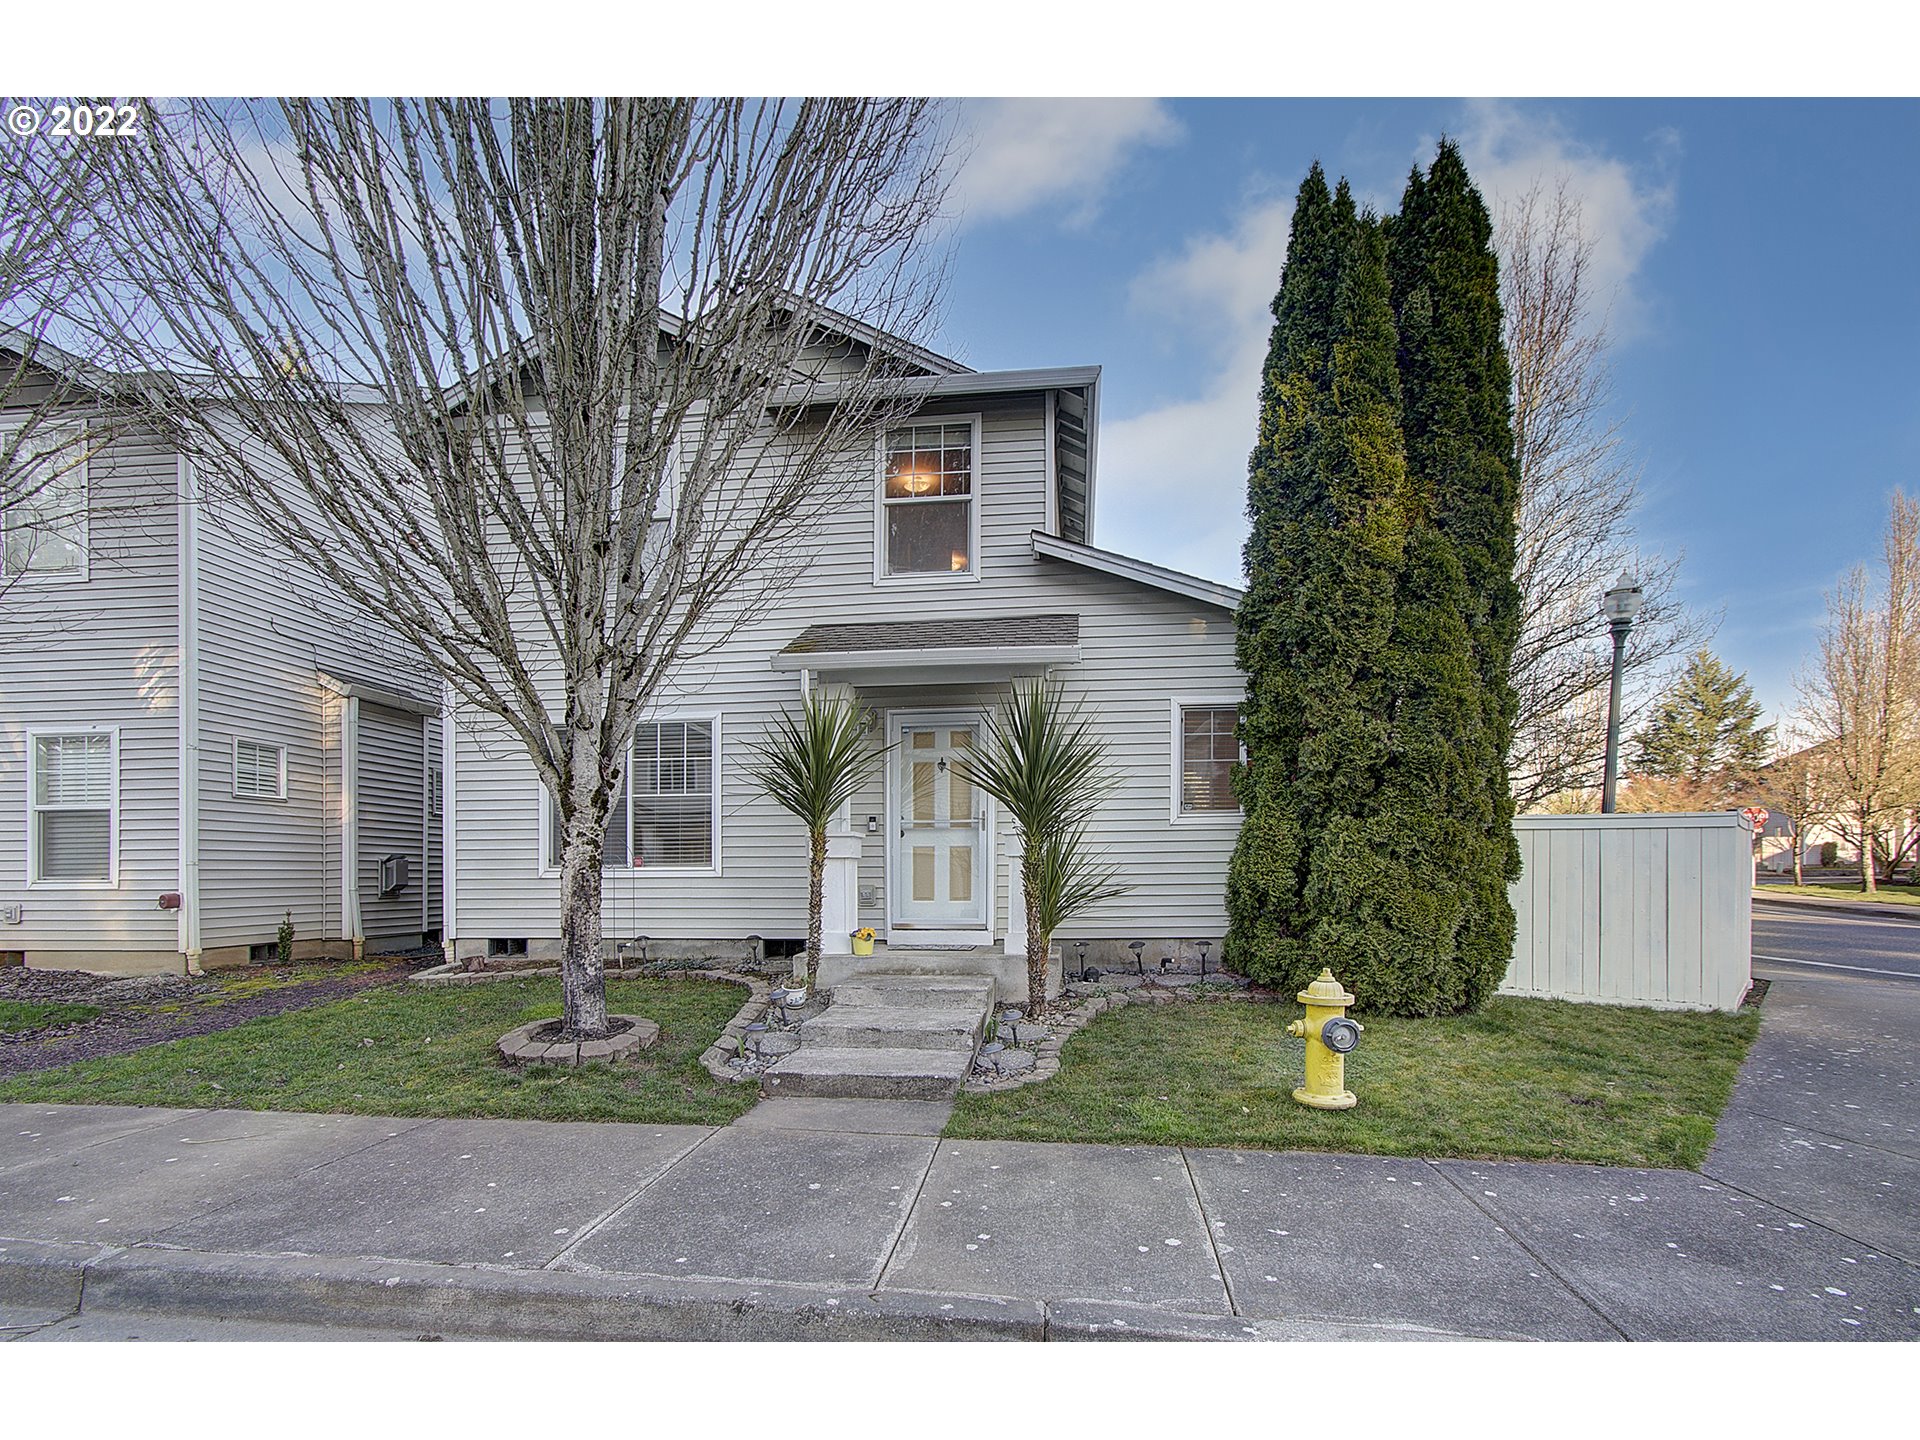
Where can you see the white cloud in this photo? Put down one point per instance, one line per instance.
(1173, 478)
(1625, 210)
(1022, 155)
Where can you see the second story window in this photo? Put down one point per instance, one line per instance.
(927, 499)
(45, 517)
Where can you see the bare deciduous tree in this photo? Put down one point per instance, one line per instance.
(49, 191)
(1860, 696)
(1578, 493)
(1800, 785)
(525, 376)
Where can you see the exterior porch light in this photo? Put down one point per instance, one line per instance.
(1620, 605)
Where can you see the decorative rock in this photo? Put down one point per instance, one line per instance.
(1120, 982)
(1024, 1034)
(1083, 987)
(1177, 977)
(774, 1042)
(1013, 1062)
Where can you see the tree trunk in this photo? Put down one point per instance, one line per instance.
(816, 896)
(1038, 940)
(1866, 854)
(583, 972)
(1799, 856)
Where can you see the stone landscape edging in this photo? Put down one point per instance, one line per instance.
(1047, 1053)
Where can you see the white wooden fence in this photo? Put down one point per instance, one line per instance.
(1634, 909)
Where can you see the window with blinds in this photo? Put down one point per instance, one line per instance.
(672, 778)
(1209, 748)
(71, 797)
(663, 816)
(259, 771)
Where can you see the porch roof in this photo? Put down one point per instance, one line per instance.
(984, 647)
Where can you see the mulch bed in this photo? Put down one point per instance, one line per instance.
(132, 1019)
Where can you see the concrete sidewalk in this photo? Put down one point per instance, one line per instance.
(1839, 904)
(838, 1219)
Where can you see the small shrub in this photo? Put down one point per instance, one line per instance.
(285, 951)
(1829, 853)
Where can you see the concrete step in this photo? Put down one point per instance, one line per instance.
(896, 1027)
(916, 990)
(861, 1072)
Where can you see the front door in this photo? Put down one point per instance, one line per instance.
(942, 840)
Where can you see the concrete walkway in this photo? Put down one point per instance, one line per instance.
(851, 1219)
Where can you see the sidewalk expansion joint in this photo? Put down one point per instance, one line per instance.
(564, 1260)
(1869, 1246)
(1206, 1225)
(1573, 1288)
(906, 1217)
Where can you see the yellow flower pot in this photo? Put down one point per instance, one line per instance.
(862, 947)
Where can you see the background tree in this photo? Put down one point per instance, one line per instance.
(1043, 760)
(1578, 491)
(1799, 785)
(1860, 696)
(519, 380)
(812, 764)
(1705, 730)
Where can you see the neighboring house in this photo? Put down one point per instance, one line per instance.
(193, 745)
(962, 563)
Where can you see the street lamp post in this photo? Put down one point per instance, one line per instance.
(1619, 605)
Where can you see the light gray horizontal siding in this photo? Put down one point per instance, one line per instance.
(103, 651)
(1139, 648)
(392, 760)
(268, 628)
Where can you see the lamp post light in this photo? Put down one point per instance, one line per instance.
(1619, 605)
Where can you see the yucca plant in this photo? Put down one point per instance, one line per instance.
(1044, 763)
(812, 764)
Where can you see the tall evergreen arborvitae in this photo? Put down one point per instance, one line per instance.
(1327, 501)
(1457, 419)
(1381, 614)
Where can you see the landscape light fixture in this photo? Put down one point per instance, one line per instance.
(1620, 605)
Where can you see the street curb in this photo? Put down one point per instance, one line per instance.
(1842, 907)
(420, 1298)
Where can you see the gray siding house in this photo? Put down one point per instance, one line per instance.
(960, 562)
(192, 748)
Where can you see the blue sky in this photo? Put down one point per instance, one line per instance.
(1762, 259)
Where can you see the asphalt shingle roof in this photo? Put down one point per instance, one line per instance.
(989, 632)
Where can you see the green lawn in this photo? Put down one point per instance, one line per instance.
(416, 1050)
(1523, 1079)
(1900, 894)
(31, 1015)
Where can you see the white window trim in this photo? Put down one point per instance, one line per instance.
(1176, 760)
(234, 776)
(80, 576)
(716, 869)
(975, 499)
(112, 732)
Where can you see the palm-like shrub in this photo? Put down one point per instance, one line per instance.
(812, 764)
(1045, 764)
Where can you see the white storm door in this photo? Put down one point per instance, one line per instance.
(941, 879)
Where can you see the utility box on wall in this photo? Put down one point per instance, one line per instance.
(396, 872)
(1650, 910)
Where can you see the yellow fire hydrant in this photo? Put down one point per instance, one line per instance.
(1329, 1035)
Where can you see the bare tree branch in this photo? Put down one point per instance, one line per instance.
(510, 377)
(1578, 493)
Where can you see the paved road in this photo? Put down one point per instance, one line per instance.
(1799, 941)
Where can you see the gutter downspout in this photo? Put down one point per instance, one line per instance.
(449, 854)
(350, 825)
(188, 709)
